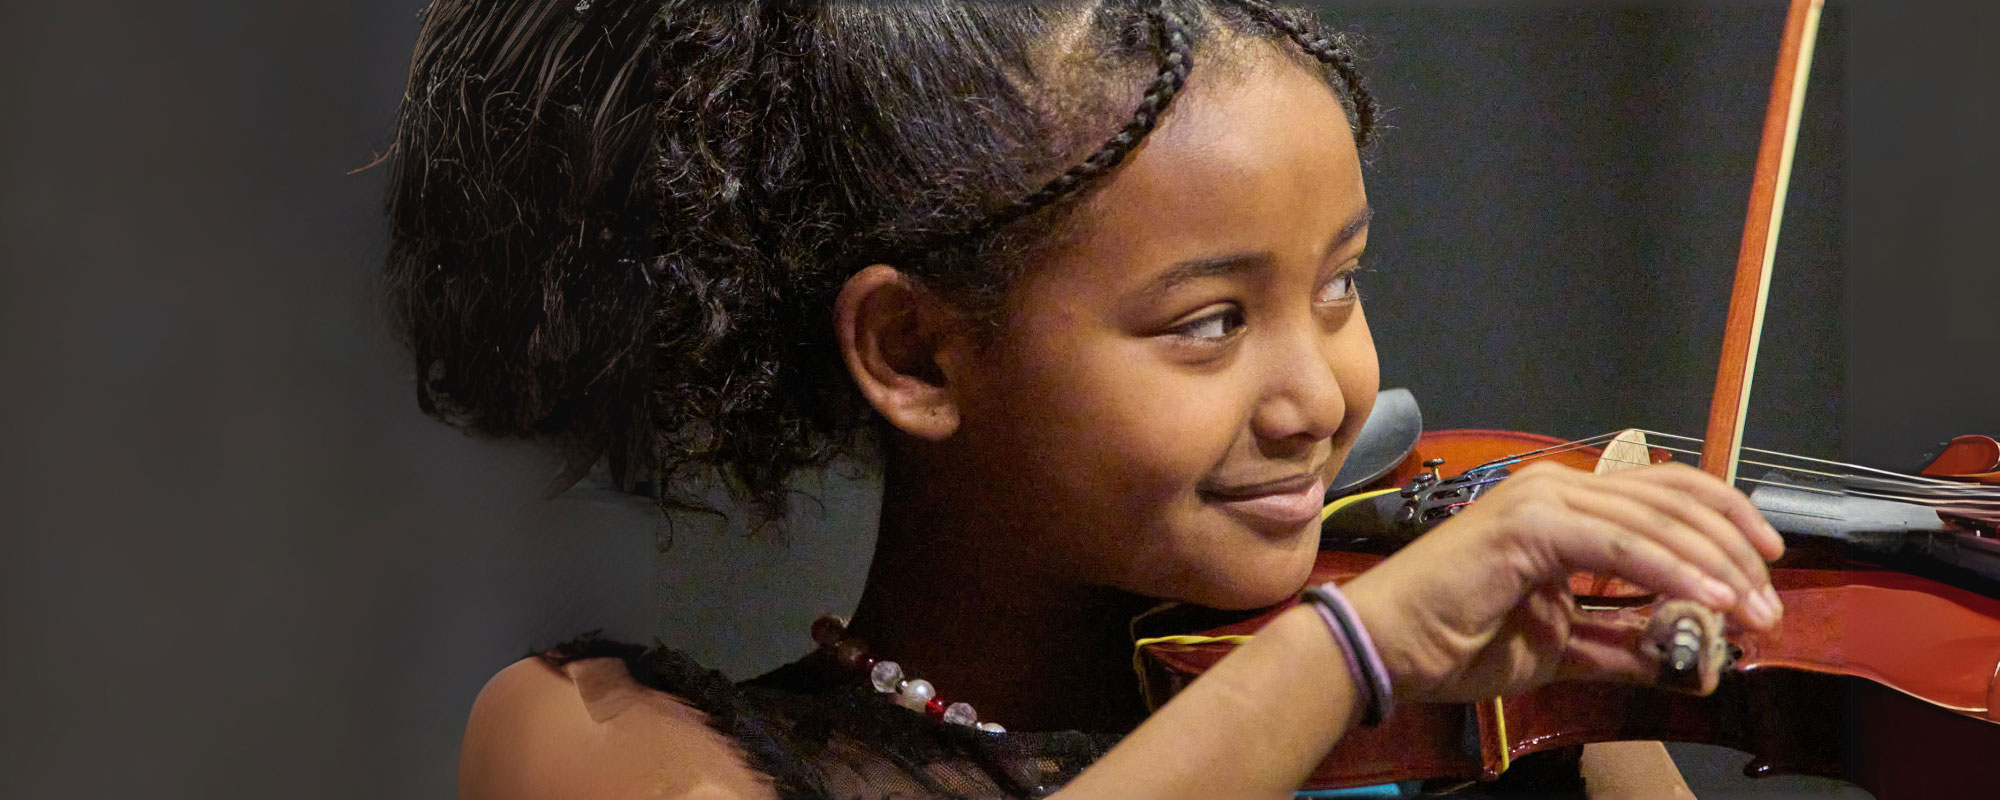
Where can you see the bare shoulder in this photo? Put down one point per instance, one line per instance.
(587, 730)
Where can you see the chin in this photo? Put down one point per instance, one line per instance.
(1256, 583)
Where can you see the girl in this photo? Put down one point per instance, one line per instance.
(1079, 277)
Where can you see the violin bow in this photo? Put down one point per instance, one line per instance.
(1745, 325)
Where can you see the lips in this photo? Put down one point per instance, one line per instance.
(1284, 504)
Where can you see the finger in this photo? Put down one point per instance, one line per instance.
(1723, 498)
(1581, 542)
(1699, 493)
(1602, 649)
(1698, 510)
(1693, 532)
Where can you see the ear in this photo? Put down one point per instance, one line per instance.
(897, 341)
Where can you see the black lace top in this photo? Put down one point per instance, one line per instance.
(817, 738)
(821, 739)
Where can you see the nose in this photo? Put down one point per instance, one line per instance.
(1302, 401)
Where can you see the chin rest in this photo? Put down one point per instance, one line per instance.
(1389, 434)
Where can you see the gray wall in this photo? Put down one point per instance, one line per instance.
(235, 560)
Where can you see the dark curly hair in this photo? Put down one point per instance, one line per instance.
(618, 228)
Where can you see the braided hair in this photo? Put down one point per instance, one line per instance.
(640, 272)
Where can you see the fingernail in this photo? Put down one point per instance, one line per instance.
(1718, 593)
(1758, 609)
(1777, 606)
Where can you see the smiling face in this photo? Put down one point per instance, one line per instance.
(1171, 391)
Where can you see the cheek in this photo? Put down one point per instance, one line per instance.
(1142, 440)
(1102, 444)
(1122, 425)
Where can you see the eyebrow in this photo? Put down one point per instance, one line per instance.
(1217, 266)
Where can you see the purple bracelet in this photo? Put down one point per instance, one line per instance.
(1339, 632)
(1363, 660)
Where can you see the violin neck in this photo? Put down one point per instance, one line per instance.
(1799, 508)
(1904, 536)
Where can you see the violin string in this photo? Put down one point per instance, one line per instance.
(1795, 487)
(1982, 499)
(1883, 473)
(1978, 507)
(1759, 481)
(1964, 499)
(1572, 446)
(1959, 507)
(1919, 481)
(1552, 450)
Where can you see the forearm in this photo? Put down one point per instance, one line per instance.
(1254, 726)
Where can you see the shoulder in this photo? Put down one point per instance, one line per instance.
(585, 729)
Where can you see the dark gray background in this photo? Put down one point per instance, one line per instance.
(237, 562)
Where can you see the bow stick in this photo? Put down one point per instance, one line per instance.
(1745, 325)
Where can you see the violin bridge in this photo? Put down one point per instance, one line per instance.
(1687, 639)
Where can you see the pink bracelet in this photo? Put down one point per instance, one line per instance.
(1364, 662)
(1333, 626)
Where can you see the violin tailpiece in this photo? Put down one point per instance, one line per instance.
(1687, 640)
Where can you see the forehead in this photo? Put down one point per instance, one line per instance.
(1255, 159)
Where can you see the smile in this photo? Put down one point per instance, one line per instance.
(1286, 504)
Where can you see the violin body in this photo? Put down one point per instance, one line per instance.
(1884, 679)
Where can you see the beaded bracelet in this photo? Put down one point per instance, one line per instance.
(1364, 662)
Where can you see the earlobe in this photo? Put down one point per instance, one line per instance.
(890, 335)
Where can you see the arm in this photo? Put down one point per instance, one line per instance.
(1477, 608)
(531, 736)
(1254, 726)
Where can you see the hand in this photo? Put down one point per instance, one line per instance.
(1480, 606)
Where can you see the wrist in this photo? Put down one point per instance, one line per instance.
(1374, 611)
(1314, 645)
(1357, 649)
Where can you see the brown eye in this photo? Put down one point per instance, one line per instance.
(1338, 289)
(1212, 328)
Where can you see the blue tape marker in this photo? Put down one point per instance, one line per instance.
(1387, 790)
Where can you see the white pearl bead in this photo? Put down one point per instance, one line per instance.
(992, 727)
(886, 676)
(960, 714)
(916, 693)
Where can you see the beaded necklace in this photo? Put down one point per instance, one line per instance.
(851, 654)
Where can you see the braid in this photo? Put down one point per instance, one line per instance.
(1176, 58)
(653, 289)
(1311, 38)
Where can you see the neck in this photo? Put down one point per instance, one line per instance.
(1028, 651)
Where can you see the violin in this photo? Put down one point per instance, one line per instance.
(1876, 676)
(1885, 671)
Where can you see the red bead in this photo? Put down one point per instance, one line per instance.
(935, 708)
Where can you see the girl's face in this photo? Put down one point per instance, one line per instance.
(1172, 391)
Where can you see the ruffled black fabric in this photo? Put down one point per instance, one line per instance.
(822, 739)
